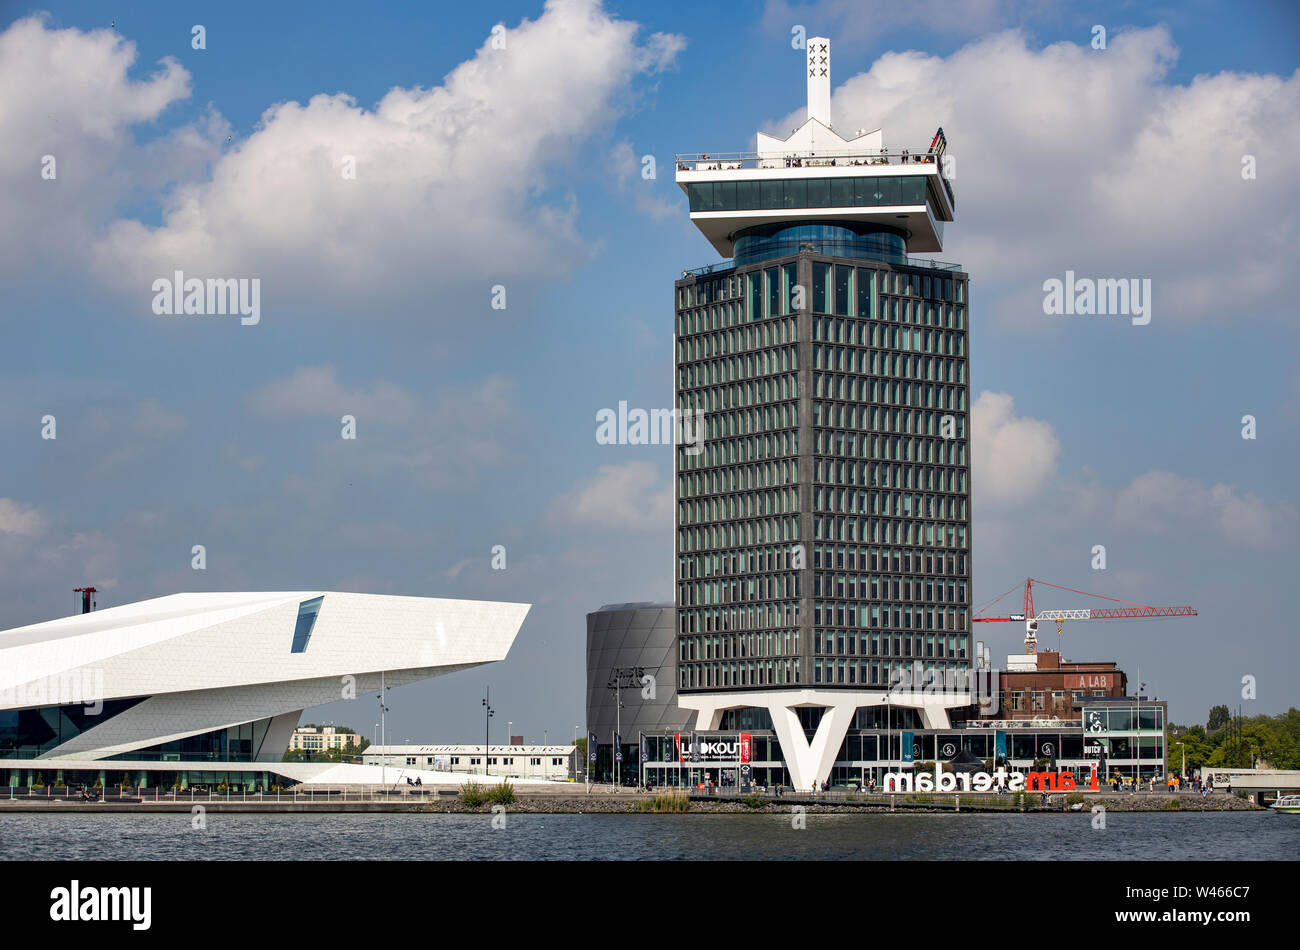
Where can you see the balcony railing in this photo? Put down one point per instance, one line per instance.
(737, 161)
(729, 161)
(795, 248)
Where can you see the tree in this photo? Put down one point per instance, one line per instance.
(1219, 717)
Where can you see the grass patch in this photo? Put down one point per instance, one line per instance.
(665, 803)
(472, 794)
(1173, 805)
(503, 794)
(754, 801)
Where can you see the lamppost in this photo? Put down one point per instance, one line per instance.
(1137, 753)
(488, 713)
(620, 677)
(383, 732)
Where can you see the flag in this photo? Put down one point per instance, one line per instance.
(591, 747)
(645, 752)
(618, 748)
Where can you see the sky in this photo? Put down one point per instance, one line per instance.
(390, 175)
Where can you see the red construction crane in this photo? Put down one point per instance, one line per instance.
(1032, 616)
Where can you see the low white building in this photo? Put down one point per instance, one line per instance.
(557, 763)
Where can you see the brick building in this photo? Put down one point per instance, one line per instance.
(1042, 685)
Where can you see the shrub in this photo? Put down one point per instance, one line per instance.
(1173, 805)
(666, 802)
(472, 794)
(754, 801)
(503, 794)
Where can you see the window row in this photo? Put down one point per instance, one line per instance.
(742, 505)
(845, 359)
(738, 534)
(754, 448)
(887, 531)
(930, 645)
(925, 590)
(749, 673)
(709, 619)
(888, 448)
(756, 475)
(889, 392)
(889, 504)
(743, 339)
(738, 395)
(904, 339)
(751, 421)
(831, 614)
(764, 560)
(857, 671)
(886, 560)
(739, 367)
(870, 191)
(738, 646)
(881, 419)
(747, 590)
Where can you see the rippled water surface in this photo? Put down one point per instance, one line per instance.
(1146, 836)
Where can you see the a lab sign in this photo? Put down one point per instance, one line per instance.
(1088, 680)
(979, 781)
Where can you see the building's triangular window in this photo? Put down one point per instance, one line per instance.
(307, 611)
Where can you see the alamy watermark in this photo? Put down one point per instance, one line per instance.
(1124, 296)
(651, 427)
(179, 295)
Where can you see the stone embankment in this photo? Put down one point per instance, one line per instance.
(576, 801)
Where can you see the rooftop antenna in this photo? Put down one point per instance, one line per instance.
(819, 80)
(86, 604)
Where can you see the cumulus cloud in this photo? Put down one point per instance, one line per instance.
(1164, 503)
(628, 170)
(316, 390)
(67, 108)
(19, 519)
(1068, 157)
(627, 497)
(453, 180)
(1012, 456)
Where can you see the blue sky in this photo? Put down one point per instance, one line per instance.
(521, 167)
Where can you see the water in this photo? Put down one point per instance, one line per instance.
(1145, 836)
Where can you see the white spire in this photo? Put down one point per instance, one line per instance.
(819, 79)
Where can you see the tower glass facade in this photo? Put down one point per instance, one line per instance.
(823, 529)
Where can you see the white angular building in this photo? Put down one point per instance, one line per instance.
(207, 688)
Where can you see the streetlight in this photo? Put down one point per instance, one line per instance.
(488, 713)
(383, 732)
(620, 677)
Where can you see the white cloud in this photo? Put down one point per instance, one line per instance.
(450, 180)
(316, 390)
(19, 519)
(66, 94)
(1012, 456)
(625, 496)
(1073, 158)
(628, 169)
(1163, 503)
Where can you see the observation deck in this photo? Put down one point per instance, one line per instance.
(816, 176)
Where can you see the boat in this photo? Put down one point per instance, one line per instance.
(1290, 804)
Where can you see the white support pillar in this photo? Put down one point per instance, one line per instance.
(810, 763)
